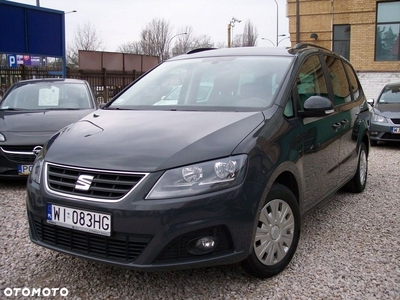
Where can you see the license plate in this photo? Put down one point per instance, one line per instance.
(395, 130)
(78, 219)
(24, 169)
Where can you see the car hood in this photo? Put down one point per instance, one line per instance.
(388, 110)
(147, 141)
(40, 121)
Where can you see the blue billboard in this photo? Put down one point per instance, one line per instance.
(31, 30)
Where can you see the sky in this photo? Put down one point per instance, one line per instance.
(120, 21)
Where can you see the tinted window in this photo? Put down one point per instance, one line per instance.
(311, 80)
(354, 86)
(340, 85)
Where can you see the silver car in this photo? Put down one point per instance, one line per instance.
(385, 123)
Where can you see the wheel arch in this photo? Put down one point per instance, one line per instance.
(289, 180)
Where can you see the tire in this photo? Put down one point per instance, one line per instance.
(276, 236)
(358, 182)
(374, 142)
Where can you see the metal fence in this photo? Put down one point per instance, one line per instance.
(105, 84)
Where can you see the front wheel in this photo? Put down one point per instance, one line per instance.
(277, 234)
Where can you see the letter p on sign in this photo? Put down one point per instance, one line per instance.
(12, 60)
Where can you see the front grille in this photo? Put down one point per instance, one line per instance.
(176, 250)
(396, 121)
(122, 247)
(19, 154)
(389, 136)
(105, 185)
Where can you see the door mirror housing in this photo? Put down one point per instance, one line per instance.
(317, 106)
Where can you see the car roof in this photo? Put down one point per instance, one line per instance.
(298, 49)
(392, 85)
(66, 80)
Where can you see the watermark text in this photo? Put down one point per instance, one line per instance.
(35, 292)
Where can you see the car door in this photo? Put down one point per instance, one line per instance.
(348, 109)
(321, 142)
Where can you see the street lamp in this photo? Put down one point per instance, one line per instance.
(277, 22)
(283, 39)
(276, 39)
(230, 26)
(72, 11)
(168, 43)
(268, 41)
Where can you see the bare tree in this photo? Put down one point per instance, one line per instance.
(248, 38)
(189, 41)
(86, 38)
(250, 35)
(155, 38)
(131, 47)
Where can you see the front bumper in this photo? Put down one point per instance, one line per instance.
(153, 234)
(11, 157)
(383, 133)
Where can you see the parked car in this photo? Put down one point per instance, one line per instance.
(385, 123)
(31, 112)
(199, 183)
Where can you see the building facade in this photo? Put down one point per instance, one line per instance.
(364, 31)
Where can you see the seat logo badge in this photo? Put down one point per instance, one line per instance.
(83, 183)
(37, 150)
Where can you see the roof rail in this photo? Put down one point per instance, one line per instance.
(305, 45)
(199, 50)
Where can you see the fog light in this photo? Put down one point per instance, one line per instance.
(203, 245)
(374, 133)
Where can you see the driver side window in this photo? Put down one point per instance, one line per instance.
(311, 80)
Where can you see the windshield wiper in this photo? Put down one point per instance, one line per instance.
(13, 109)
(63, 108)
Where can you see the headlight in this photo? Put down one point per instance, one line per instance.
(379, 119)
(2, 137)
(37, 170)
(37, 167)
(200, 178)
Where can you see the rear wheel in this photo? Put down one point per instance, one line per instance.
(358, 182)
(277, 234)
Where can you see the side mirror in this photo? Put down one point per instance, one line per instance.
(317, 106)
(371, 102)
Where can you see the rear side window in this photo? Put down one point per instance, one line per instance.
(340, 84)
(354, 86)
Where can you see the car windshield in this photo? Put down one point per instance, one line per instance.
(391, 95)
(47, 96)
(216, 83)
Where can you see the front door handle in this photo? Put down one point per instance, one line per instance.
(344, 121)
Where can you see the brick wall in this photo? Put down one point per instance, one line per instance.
(373, 82)
(319, 16)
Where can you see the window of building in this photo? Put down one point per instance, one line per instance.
(387, 31)
(341, 40)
